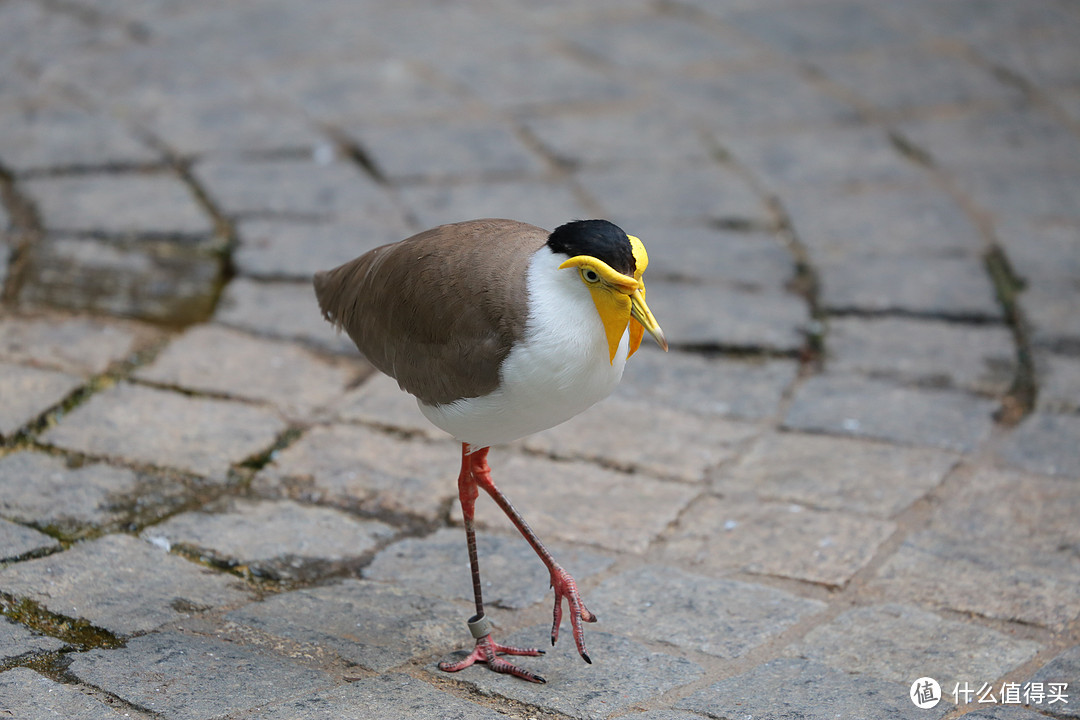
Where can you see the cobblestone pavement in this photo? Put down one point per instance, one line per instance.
(858, 467)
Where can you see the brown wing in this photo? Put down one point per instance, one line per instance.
(440, 310)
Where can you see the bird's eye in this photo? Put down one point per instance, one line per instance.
(590, 275)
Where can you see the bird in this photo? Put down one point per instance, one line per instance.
(499, 329)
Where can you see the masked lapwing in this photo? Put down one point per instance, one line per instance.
(499, 329)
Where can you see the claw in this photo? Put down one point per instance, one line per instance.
(565, 587)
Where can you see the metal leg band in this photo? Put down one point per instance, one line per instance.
(479, 626)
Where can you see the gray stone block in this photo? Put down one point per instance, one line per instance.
(659, 44)
(754, 261)
(728, 387)
(1015, 533)
(118, 204)
(285, 310)
(597, 139)
(277, 539)
(358, 468)
(373, 625)
(120, 584)
(829, 155)
(881, 220)
(218, 360)
(18, 541)
(909, 78)
(824, 28)
(1024, 192)
(427, 151)
(758, 97)
(304, 190)
(975, 358)
(832, 473)
(56, 134)
(806, 689)
(194, 678)
(18, 643)
(720, 316)
(900, 644)
(75, 500)
(529, 74)
(725, 618)
(768, 538)
(842, 405)
(948, 287)
(29, 392)
(538, 202)
(379, 402)
(158, 280)
(80, 345)
(1065, 668)
(681, 193)
(623, 674)
(30, 696)
(393, 696)
(514, 578)
(166, 429)
(645, 438)
(1058, 378)
(579, 502)
(1045, 443)
(282, 250)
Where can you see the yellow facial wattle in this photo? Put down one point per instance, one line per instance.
(619, 299)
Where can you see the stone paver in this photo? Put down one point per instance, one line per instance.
(192, 678)
(901, 643)
(17, 641)
(978, 359)
(19, 541)
(119, 204)
(807, 689)
(81, 499)
(80, 345)
(214, 359)
(851, 405)
(120, 584)
(579, 502)
(370, 624)
(397, 697)
(830, 473)
(279, 539)
(513, 576)
(668, 443)
(29, 392)
(725, 618)
(358, 468)
(770, 538)
(864, 248)
(199, 435)
(26, 694)
(1012, 530)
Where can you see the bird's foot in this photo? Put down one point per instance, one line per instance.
(565, 587)
(488, 651)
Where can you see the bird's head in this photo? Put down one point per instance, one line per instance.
(610, 264)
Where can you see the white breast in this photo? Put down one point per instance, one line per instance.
(559, 369)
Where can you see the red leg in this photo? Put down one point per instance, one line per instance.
(486, 650)
(561, 581)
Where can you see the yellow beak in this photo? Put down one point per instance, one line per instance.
(640, 312)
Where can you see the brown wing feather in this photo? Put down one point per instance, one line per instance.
(440, 310)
